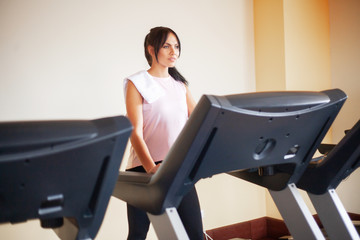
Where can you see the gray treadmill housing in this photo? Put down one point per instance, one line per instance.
(237, 134)
(50, 170)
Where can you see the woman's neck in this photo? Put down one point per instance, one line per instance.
(159, 72)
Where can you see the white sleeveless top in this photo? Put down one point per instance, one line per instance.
(164, 113)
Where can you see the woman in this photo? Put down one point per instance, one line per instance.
(158, 103)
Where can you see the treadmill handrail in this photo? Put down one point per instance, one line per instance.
(338, 164)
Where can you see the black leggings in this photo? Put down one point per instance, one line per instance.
(189, 212)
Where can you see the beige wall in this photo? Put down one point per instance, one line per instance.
(307, 44)
(83, 50)
(292, 45)
(345, 59)
(67, 59)
(269, 42)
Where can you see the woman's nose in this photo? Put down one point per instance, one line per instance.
(173, 50)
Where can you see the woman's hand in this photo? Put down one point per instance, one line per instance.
(154, 169)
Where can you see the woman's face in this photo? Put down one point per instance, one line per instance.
(169, 52)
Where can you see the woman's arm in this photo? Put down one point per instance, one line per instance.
(134, 112)
(190, 101)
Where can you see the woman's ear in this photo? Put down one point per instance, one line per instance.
(151, 50)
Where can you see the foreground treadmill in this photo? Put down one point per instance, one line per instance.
(267, 138)
(61, 172)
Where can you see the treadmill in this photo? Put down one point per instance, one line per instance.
(60, 172)
(267, 138)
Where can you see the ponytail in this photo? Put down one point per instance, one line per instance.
(177, 76)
